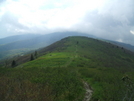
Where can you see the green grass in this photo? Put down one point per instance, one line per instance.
(50, 60)
(59, 71)
(40, 84)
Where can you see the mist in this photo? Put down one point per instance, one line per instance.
(113, 20)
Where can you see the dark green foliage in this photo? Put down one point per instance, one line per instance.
(32, 57)
(13, 63)
(40, 84)
(36, 54)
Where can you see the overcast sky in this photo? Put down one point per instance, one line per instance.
(110, 19)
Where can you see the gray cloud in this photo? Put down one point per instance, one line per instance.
(114, 20)
(9, 19)
(10, 26)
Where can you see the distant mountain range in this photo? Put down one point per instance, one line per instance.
(124, 45)
(20, 44)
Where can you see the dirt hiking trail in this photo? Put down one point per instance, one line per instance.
(88, 93)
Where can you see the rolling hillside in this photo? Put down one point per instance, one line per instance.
(58, 71)
(21, 44)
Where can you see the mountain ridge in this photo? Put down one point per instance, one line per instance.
(58, 71)
(20, 44)
(32, 43)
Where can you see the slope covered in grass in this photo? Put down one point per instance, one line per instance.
(60, 69)
(21, 44)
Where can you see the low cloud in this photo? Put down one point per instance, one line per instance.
(110, 19)
(113, 21)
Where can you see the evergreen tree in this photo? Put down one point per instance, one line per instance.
(13, 63)
(36, 54)
(32, 57)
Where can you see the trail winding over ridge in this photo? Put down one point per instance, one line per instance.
(88, 89)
